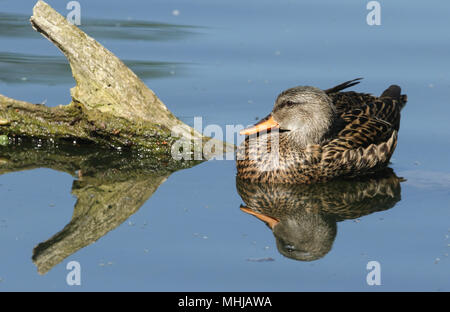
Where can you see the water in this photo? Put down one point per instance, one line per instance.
(226, 61)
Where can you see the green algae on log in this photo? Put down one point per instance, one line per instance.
(74, 122)
(110, 105)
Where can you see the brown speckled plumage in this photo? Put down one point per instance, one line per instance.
(359, 136)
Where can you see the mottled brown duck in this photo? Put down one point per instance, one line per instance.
(315, 135)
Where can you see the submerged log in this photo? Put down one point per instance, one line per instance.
(110, 105)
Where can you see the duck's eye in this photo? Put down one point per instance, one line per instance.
(283, 105)
(288, 104)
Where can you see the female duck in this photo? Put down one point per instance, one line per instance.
(313, 135)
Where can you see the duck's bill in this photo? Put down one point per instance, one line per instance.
(262, 126)
(271, 222)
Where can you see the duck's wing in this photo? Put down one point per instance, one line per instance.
(346, 101)
(365, 143)
(387, 107)
(361, 130)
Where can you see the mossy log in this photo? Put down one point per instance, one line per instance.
(110, 105)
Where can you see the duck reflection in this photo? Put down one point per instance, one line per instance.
(303, 218)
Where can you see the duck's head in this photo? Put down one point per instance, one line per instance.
(306, 112)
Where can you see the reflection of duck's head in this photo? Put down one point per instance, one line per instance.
(303, 217)
(303, 236)
(307, 237)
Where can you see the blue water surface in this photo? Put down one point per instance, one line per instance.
(226, 61)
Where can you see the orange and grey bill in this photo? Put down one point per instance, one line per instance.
(264, 125)
(271, 222)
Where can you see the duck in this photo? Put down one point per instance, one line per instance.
(314, 135)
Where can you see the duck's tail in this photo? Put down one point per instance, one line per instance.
(394, 92)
